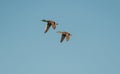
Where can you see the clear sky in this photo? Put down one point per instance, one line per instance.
(94, 47)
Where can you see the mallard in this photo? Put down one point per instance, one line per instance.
(64, 34)
(49, 23)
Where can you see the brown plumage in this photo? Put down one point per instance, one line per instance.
(49, 24)
(64, 34)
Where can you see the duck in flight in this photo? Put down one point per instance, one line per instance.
(49, 24)
(64, 34)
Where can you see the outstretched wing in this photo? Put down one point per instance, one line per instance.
(62, 38)
(53, 25)
(47, 28)
(67, 37)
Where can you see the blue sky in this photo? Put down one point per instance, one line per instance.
(94, 47)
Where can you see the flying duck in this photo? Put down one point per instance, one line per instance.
(64, 34)
(49, 23)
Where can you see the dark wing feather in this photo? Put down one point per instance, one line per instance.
(47, 28)
(62, 38)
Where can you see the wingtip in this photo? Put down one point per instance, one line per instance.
(60, 41)
(57, 24)
(45, 31)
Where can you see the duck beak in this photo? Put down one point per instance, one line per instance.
(41, 20)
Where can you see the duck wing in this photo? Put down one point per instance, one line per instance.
(62, 38)
(47, 28)
(67, 37)
(53, 25)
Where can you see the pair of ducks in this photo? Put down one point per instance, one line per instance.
(53, 24)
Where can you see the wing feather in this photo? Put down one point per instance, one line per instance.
(53, 25)
(62, 38)
(67, 37)
(47, 28)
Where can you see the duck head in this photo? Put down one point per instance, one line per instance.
(44, 20)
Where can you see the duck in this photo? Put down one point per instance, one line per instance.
(49, 24)
(64, 35)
